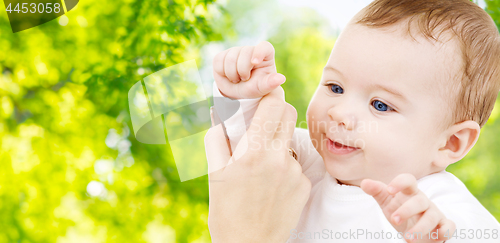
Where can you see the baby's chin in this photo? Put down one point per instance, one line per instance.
(347, 175)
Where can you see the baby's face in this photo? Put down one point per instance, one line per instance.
(383, 94)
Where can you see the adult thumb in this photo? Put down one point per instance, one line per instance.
(270, 82)
(217, 151)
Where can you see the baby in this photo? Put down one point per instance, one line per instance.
(404, 93)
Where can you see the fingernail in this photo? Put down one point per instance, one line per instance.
(391, 189)
(283, 79)
(397, 219)
(276, 80)
(255, 60)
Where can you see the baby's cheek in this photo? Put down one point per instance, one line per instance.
(309, 113)
(312, 118)
(387, 144)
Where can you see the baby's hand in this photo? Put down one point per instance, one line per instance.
(409, 210)
(252, 65)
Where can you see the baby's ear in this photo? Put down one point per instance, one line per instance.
(461, 137)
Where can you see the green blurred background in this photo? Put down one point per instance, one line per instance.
(70, 167)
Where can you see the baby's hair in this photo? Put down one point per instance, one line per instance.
(477, 35)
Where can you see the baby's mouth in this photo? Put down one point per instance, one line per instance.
(339, 148)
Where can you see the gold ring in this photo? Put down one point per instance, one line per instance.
(292, 153)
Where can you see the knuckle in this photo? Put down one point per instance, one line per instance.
(218, 58)
(218, 66)
(243, 70)
(409, 178)
(230, 60)
(276, 102)
(247, 50)
(422, 200)
(276, 97)
(231, 56)
(269, 45)
(433, 218)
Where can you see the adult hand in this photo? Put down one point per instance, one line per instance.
(259, 196)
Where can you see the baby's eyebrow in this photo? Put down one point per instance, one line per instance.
(330, 68)
(389, 90)
(376, 86)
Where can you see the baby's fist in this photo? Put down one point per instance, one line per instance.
(247, 72)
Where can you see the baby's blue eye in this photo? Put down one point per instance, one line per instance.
(380, 106)
(337, 89)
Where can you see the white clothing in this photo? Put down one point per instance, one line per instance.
(341, 213)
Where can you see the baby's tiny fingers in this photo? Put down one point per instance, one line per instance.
(244, 65)
(377, 190)
(413, 206)
(406, 183)
(218, 62)
(230, 68)
(426, 224)
(446, 228)
(262, 51)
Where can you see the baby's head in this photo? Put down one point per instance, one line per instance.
(409, 84)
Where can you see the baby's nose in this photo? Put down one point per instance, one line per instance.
(343, 115)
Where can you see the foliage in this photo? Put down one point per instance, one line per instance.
(64, 125)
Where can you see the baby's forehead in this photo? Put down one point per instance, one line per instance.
(439, 60)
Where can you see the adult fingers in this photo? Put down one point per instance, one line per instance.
(217, 151)
(267, 117)
(244, 65)
(405, 183)
(230, 68)
(264, 51)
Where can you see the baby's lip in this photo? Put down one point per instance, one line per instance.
(341, 144)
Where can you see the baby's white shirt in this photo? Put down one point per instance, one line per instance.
(341, 213)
